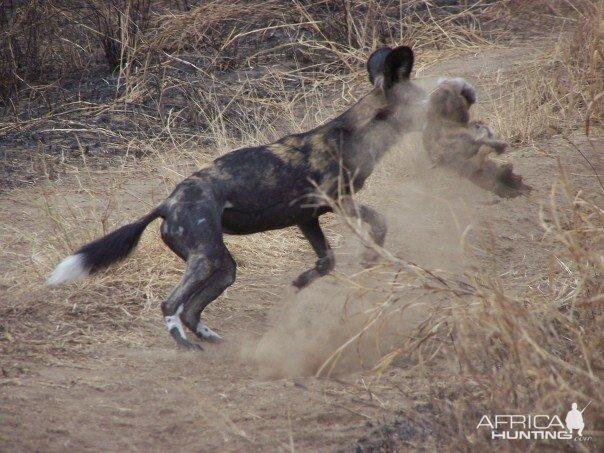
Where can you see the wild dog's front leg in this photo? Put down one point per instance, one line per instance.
(326, 262)
(377, 226)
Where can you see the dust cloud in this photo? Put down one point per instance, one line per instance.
(428, 210)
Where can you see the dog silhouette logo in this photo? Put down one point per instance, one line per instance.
(574, 419)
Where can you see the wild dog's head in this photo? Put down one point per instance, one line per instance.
(389, 72)
(451, 100)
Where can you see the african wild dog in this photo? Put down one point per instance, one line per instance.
(453, 141)
(268, 187)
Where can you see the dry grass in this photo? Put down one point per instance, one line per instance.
(500, 352)
(206, 77)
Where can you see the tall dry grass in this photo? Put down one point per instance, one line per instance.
(555, 93)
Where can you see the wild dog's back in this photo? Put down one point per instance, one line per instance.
(287, 174)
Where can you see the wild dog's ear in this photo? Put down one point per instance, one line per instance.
(397, 66)
(375, 66)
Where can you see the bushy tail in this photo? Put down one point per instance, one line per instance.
(102, 252)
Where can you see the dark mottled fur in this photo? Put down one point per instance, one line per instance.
(117, 245)
(275, 186)
(452, 140)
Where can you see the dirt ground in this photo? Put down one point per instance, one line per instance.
(137, 392)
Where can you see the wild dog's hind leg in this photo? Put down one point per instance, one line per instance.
(223, 275)
(326, 262)
(196, 274)
(192, 229)
(206, 277)
(377, 226)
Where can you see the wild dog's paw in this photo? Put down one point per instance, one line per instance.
(207, 334)
(305, 279)
(177, 333)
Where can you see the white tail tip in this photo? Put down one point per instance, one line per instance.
(71, 268)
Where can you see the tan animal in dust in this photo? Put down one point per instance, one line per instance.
(453, 141)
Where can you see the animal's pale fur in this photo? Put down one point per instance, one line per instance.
(453, 141)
